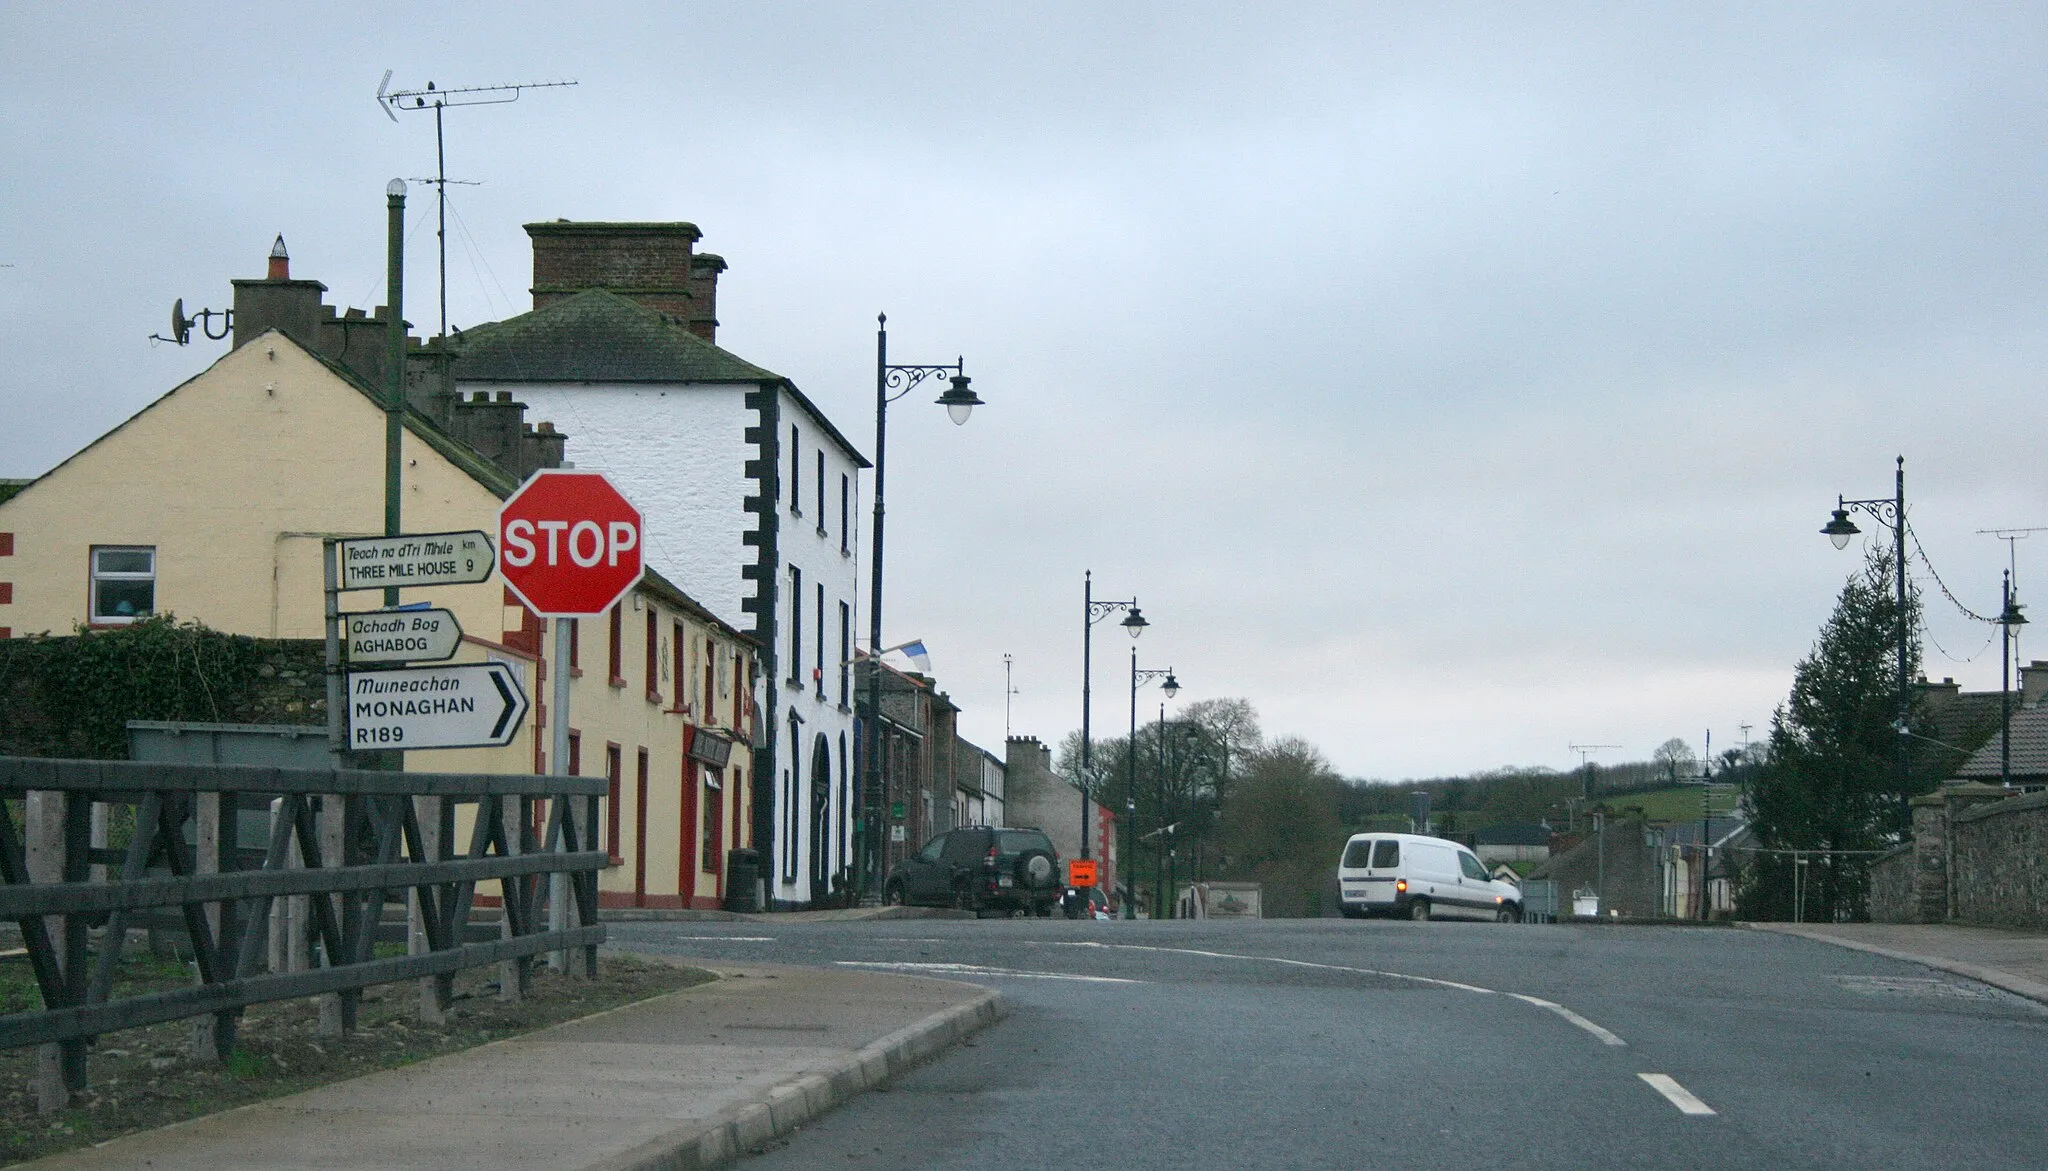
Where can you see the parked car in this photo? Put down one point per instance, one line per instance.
(1086, 902)
(981, 868)
(1417, 877)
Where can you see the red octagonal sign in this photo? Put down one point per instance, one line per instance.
(568, 544)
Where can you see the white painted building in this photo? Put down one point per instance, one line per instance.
(750, 497)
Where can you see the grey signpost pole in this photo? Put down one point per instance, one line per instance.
(558, 766)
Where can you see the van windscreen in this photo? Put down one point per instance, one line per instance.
(1355, 855)
(1386, 852)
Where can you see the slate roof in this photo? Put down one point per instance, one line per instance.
(596, 336)
(599, 336)
(1514, 834)
(2029, 747)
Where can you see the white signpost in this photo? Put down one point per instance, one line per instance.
(400, 636)
(467, 705)
(416, 559)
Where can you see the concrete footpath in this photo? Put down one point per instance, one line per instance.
(2016, 961)
(690, 1079)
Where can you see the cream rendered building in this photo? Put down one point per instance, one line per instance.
(211, 504)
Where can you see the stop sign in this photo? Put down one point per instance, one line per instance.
(569, 544)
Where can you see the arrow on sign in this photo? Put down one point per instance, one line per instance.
(469, 705)
(401, 636)
(416, 559)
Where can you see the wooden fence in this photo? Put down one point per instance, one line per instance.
(341, 843)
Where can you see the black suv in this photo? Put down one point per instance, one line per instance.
(981, 868)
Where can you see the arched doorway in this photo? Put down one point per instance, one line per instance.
(821, 820)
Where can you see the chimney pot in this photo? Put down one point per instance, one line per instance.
(280, 261)
(504, 396)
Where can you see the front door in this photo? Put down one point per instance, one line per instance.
(821, 821)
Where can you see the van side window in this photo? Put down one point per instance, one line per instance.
(1472, 867)
(1355, 855)
(1386, 852)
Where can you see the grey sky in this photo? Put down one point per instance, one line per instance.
(1453, 384)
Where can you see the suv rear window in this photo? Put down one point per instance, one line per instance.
(1017, 841)
(1386, 852)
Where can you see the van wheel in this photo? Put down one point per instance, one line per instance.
(1418, 910)
(1508, 915)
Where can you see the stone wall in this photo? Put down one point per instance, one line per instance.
(1891, 887)
(1998, 863)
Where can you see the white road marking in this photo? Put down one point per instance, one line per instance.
(729, 938)
(1676, 1094)
(1606, 1037)
(979, 970)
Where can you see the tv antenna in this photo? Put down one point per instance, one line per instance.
(437, 100)
(2011, 537)
(1008, 691)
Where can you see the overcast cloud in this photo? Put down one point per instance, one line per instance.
(1456, 384)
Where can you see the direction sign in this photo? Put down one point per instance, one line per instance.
(415, 559)
(572, 543)
(468, 705)
(400, 636)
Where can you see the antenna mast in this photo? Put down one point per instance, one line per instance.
(437, 100)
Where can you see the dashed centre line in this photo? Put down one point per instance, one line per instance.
(1686, 1101)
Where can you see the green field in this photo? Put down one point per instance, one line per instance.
(1678, 803)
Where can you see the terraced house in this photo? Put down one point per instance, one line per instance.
(212, 501)
(748, 492)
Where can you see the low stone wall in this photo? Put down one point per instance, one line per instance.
(1891, 887)
(1999, 862)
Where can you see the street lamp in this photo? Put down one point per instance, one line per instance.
(1890, 512)
(2008, 617)
(1092, 612)
(1171, 687)
(891, 383)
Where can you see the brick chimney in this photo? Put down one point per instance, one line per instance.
(279, 302)
(653, 263)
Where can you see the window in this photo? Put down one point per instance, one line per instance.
(123, 583)
(714, 810)
(679, 673)
(796, 474)
(821, 492)
(845, 512)
(653, 656)
(1471, 867)
(1386, 852)
(612, 765)
(796, 626)
(818, 671)
(616, 658)
(932, 849)
(575, 646)
(1356, 855)
(845, 650)
(640, 832)
(709, 695)
(575, 753)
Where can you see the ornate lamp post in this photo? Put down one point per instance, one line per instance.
(891, 383)
(1171, 687)
(2009, 616)
(1092, 612)
(1890, 512)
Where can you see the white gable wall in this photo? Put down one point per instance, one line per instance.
(679, 454)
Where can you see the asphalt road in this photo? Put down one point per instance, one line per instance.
(1331, 1043)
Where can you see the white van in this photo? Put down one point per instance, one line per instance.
(1417, 877)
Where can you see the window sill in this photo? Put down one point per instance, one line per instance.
(822, 532)
(575, 672)
(618, 682)
(654, 697)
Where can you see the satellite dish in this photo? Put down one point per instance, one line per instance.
(181, 325)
